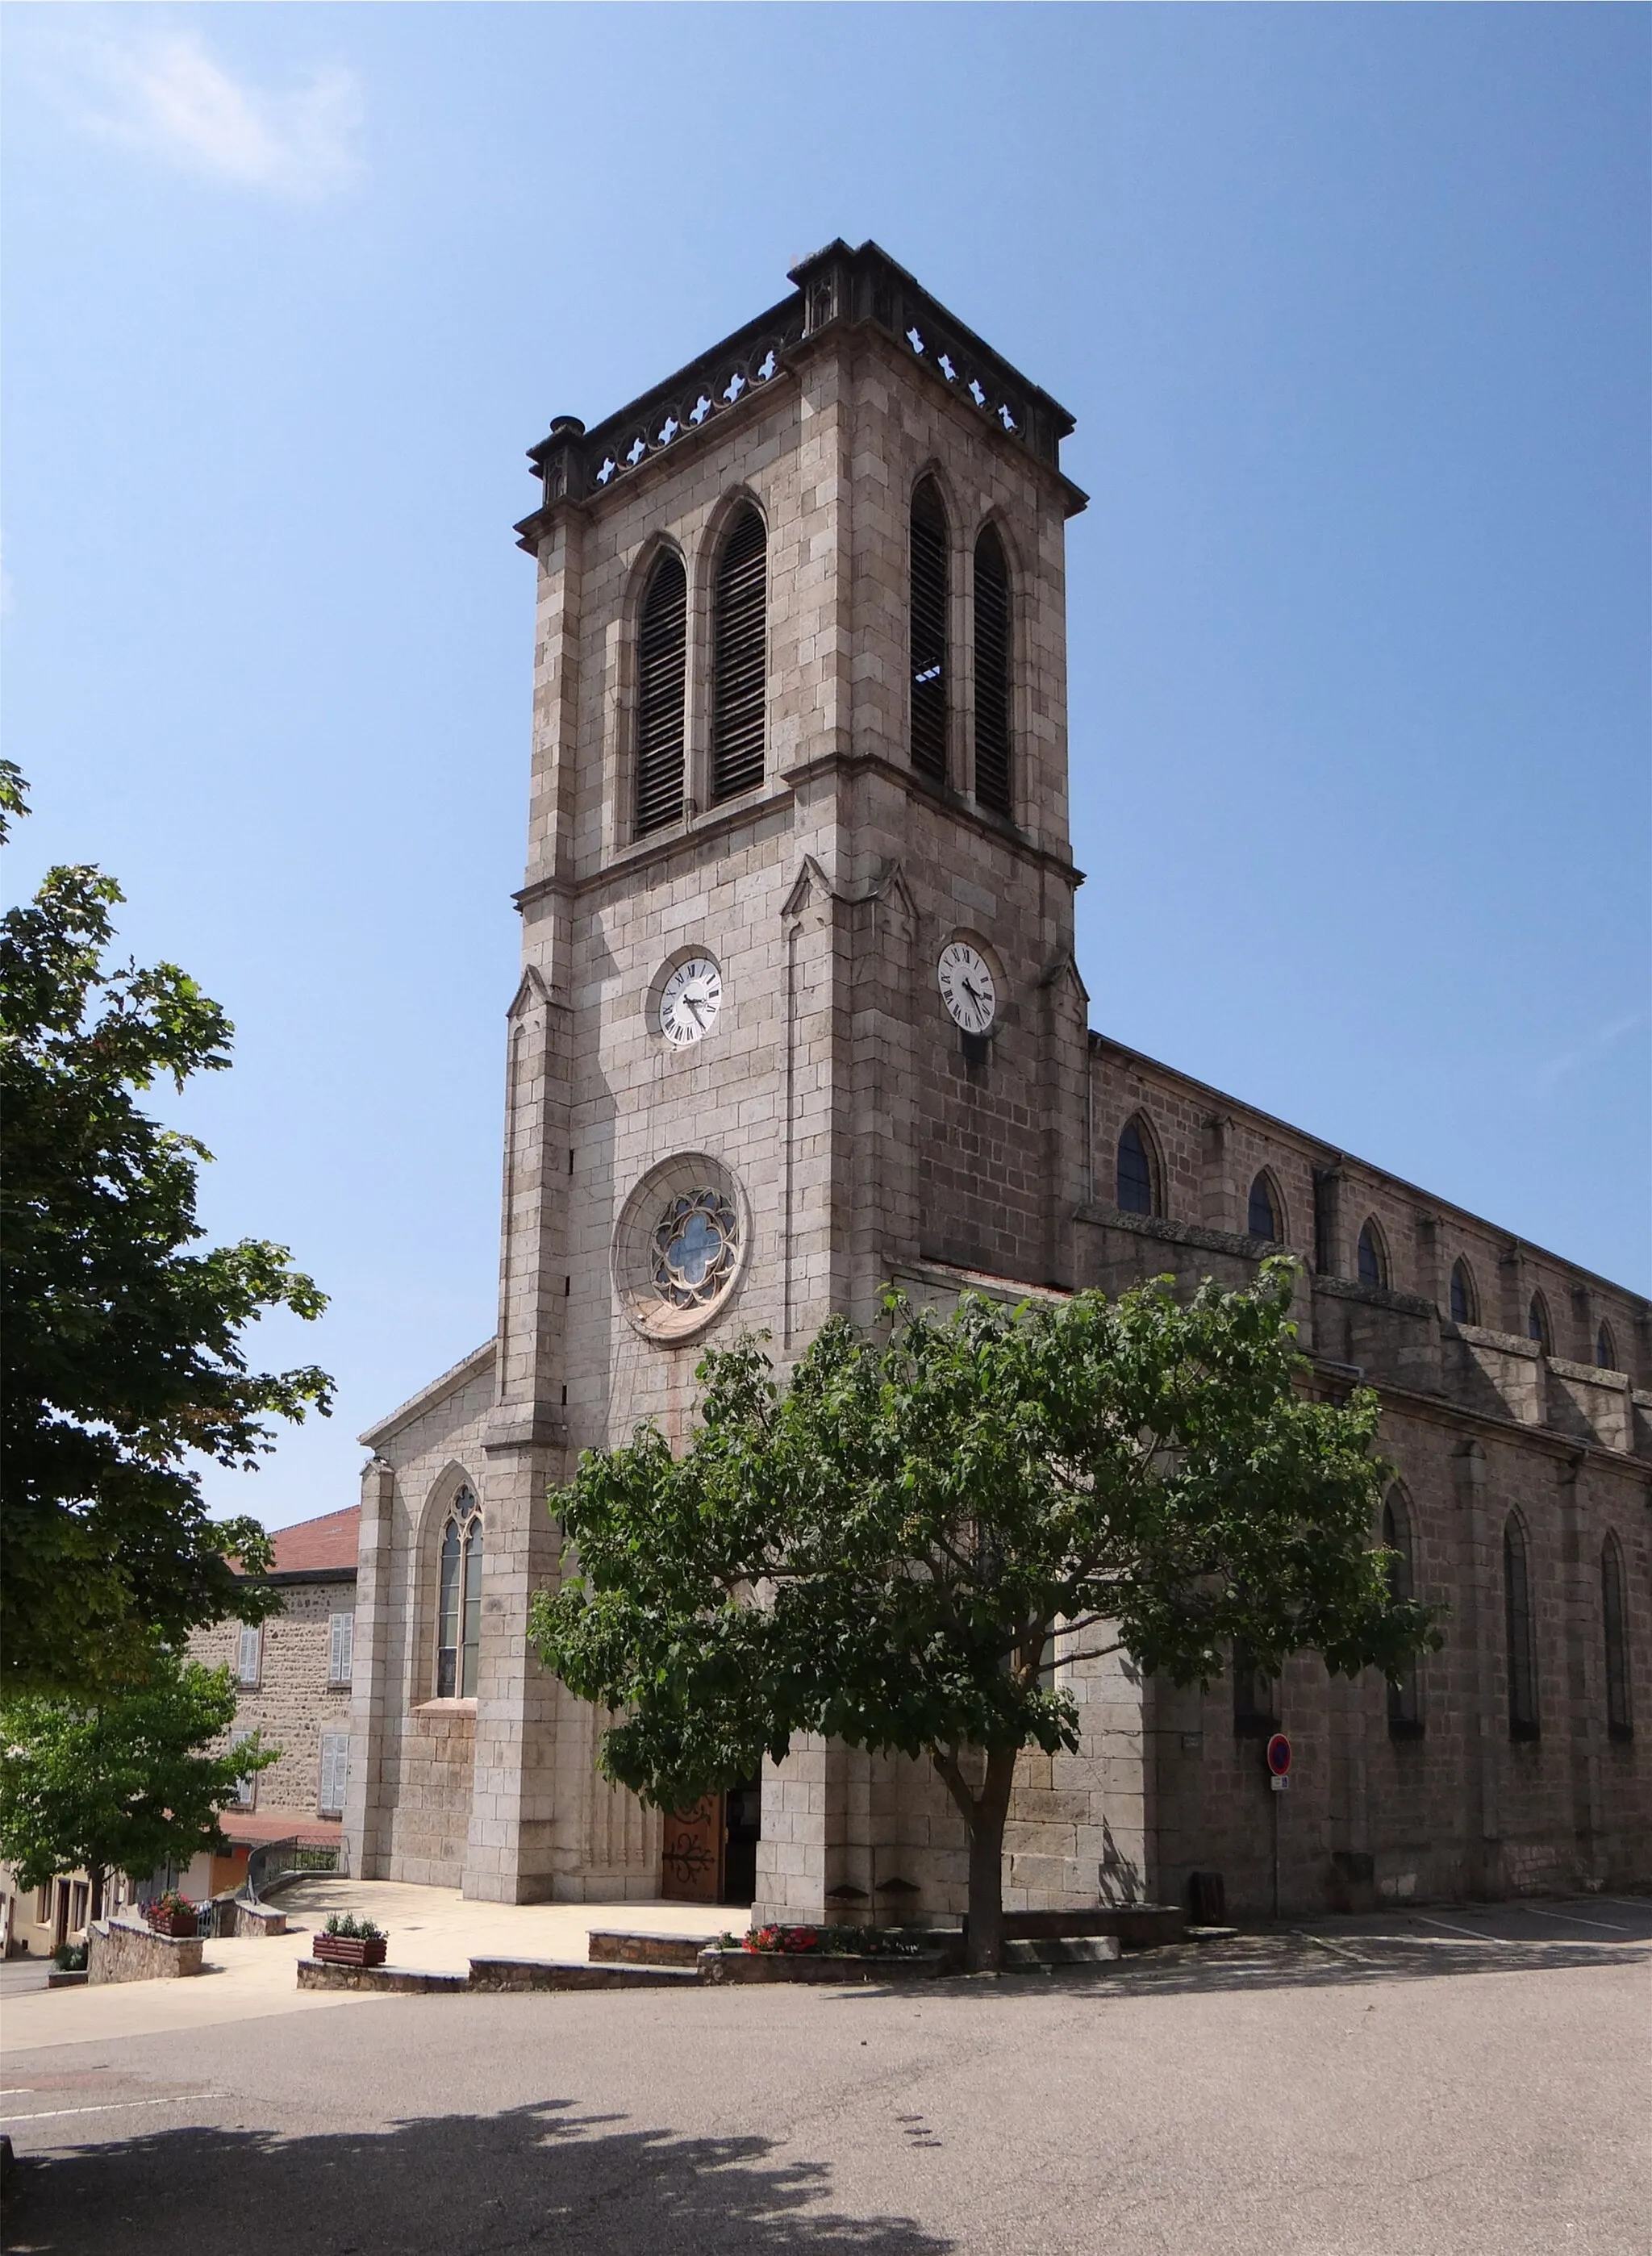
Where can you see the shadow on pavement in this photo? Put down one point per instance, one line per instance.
(453, 2185)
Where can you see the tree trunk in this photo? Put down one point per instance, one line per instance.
(983, 1814)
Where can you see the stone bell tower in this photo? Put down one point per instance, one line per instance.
(798, 748)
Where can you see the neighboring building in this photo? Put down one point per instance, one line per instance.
(799, 1013)
(292, 1678)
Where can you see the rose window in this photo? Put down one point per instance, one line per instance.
(695, 1246)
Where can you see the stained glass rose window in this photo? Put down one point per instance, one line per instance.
(695, 1247)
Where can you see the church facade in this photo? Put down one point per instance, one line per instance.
(799, 1015)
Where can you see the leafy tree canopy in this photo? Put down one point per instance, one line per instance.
(121, 1341)
(895, 1549)
(125, 1785)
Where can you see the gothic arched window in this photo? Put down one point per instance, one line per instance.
(928, 593)
(740, 657)
(1262, 1216)
(1538, 1323)
(1605, 1350)
(661, 671)
(459, 1599)
(1619, 1717)
(1138, 1192)
(1404, 1722)
(1374, 1268)
(1517, 1634)
(1465, 1302)
(994, 775)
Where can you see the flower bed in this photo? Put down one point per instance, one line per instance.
(826, 1942)
(347, 1940)
(817, 1954)
(173, 1914)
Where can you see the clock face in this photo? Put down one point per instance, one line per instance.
(966, 987)
(692, 999)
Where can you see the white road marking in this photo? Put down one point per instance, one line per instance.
(112, 2107)
(1573, 1919)
(1474, 1934)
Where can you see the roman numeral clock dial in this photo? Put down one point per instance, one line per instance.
(689, 1004)
(967, 988)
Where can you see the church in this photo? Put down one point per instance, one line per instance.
(799, 1016)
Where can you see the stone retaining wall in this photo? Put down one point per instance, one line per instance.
(119, 1950)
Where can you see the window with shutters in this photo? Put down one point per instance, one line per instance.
(1517, 1634)
(329, 1799)
(1619, 1717)
(661, 662)
(250, 1653)
(994, 775)
(340, 1648)
(1405, 1721)
(739, 657)
(459, 1604)
(928, 593)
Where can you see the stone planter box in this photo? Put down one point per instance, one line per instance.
(179, 1925)
(127, 1950)
(349, 1949)
(816, 1966)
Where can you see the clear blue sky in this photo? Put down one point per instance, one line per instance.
(1351, 305)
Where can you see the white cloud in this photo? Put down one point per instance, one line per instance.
(165, 97)
(1594, 1045)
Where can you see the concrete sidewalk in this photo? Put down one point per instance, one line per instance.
(435, 1929)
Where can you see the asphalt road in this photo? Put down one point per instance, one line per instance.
(1459, 2083)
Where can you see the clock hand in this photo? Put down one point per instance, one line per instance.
(694, 1005)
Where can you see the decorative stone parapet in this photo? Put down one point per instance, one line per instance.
(123, 1950)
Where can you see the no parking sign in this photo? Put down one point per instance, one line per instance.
(1279, 1761)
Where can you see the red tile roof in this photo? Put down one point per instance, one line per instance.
(314, 1544)
(253, 1827)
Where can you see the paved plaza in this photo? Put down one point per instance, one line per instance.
(1465, 2082)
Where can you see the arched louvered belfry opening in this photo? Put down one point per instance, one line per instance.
(1620, 1714)
(1372, 1257)
(928, 593)
(1138, 1177)
(740, 660)
(1538, 1325)
(1261, 1218)
(1464, 1300)
(1517, 1633)
(1404, 1711)
(994, 767)
(662, 644)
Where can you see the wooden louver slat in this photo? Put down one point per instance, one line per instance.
(928, 630)
(740, 657)
(661, 659)
(994, 782)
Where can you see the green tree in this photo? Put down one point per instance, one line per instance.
(893, 1549)
(126, 1784)
(122, 1342)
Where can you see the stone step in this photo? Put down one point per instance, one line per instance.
(618, 1946)
(575, 1974)
(1062, 1951)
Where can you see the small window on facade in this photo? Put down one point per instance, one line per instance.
(1619, 1717)
(246, 1788)
(1263, 1218)
(929, 594)
(1372, 1268)
(249, 1654)
(1464, 1304)
(1255, 1698)
(341, 1644)
(739, 657)
(1517, 1634)
(459, 1604)
(1537, 1323)
(1135, 1172)
(662, 672)
(994, 779)
(1404, 1716)
(1605, 1351)
(329, 1799)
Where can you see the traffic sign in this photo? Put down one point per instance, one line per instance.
(1279, 1755)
